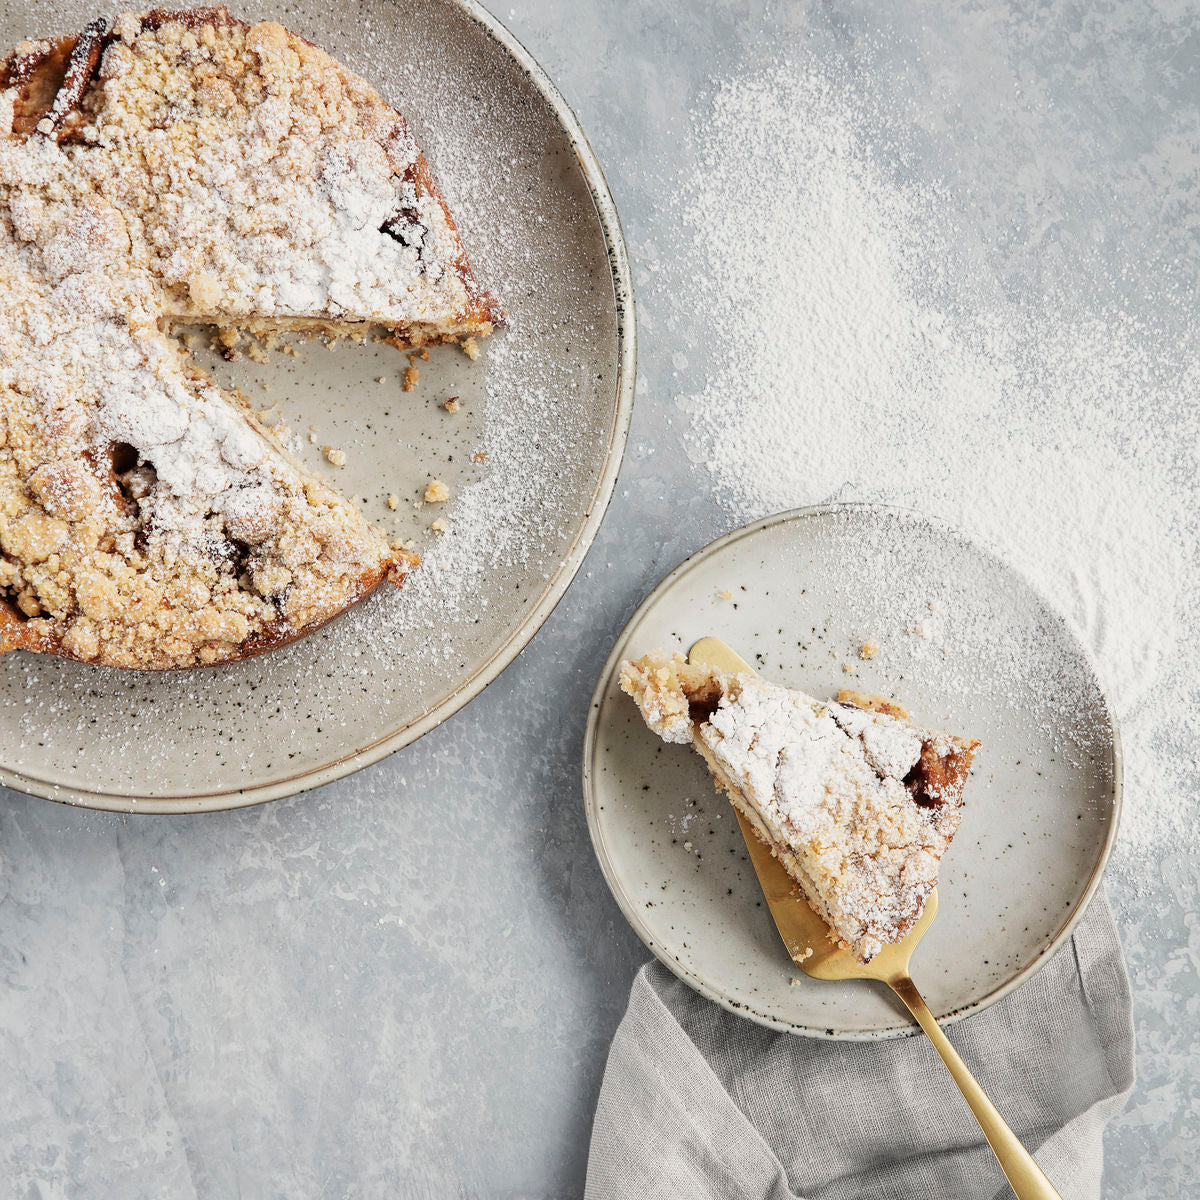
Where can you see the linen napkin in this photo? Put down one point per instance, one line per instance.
(699, 1103)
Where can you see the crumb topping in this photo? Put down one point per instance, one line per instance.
(192, 170)
(264, 179)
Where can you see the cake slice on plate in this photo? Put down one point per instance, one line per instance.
(173, 167)
(856, 802)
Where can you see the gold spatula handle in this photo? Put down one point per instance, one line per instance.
(1023, 1174)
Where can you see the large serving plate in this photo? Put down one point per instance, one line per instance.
(531, 455)
(967, 646)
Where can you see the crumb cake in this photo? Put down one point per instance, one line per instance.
(856, 803)
(186, 167)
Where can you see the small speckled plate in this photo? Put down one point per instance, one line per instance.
(967, 646)
(530, 456)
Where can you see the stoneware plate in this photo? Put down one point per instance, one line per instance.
(966, 645)
(530, 456)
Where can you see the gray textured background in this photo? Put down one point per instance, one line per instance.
(405, 983)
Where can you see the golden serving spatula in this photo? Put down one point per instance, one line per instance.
(807, 939)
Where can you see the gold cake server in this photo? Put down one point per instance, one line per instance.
(807, 939)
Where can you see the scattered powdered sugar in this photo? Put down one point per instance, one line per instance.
(498, 524)
(862, 349)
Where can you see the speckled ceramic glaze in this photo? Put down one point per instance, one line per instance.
(967, 646)
(543, 234)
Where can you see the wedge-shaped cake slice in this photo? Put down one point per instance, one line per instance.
(856, 803)
(171, 167)
(147, 519)
(264, 185)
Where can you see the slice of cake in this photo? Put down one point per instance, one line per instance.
(263, 185)
(173, 167)
(857, 803)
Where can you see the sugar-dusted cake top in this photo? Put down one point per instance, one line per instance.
(256, 175)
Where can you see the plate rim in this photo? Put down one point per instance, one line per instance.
(633, 915)
(556, 586)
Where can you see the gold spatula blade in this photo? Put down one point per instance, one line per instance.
(811, 947)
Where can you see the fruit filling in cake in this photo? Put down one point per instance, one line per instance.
(170, 167)
(857, 803)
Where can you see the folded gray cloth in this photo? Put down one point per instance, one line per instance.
(699, 1103)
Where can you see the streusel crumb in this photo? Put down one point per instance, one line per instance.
(194, 170)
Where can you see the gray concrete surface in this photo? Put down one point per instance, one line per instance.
(405, 984)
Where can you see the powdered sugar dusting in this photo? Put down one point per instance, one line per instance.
(863, 350)
(497, 524)
(870, 853)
